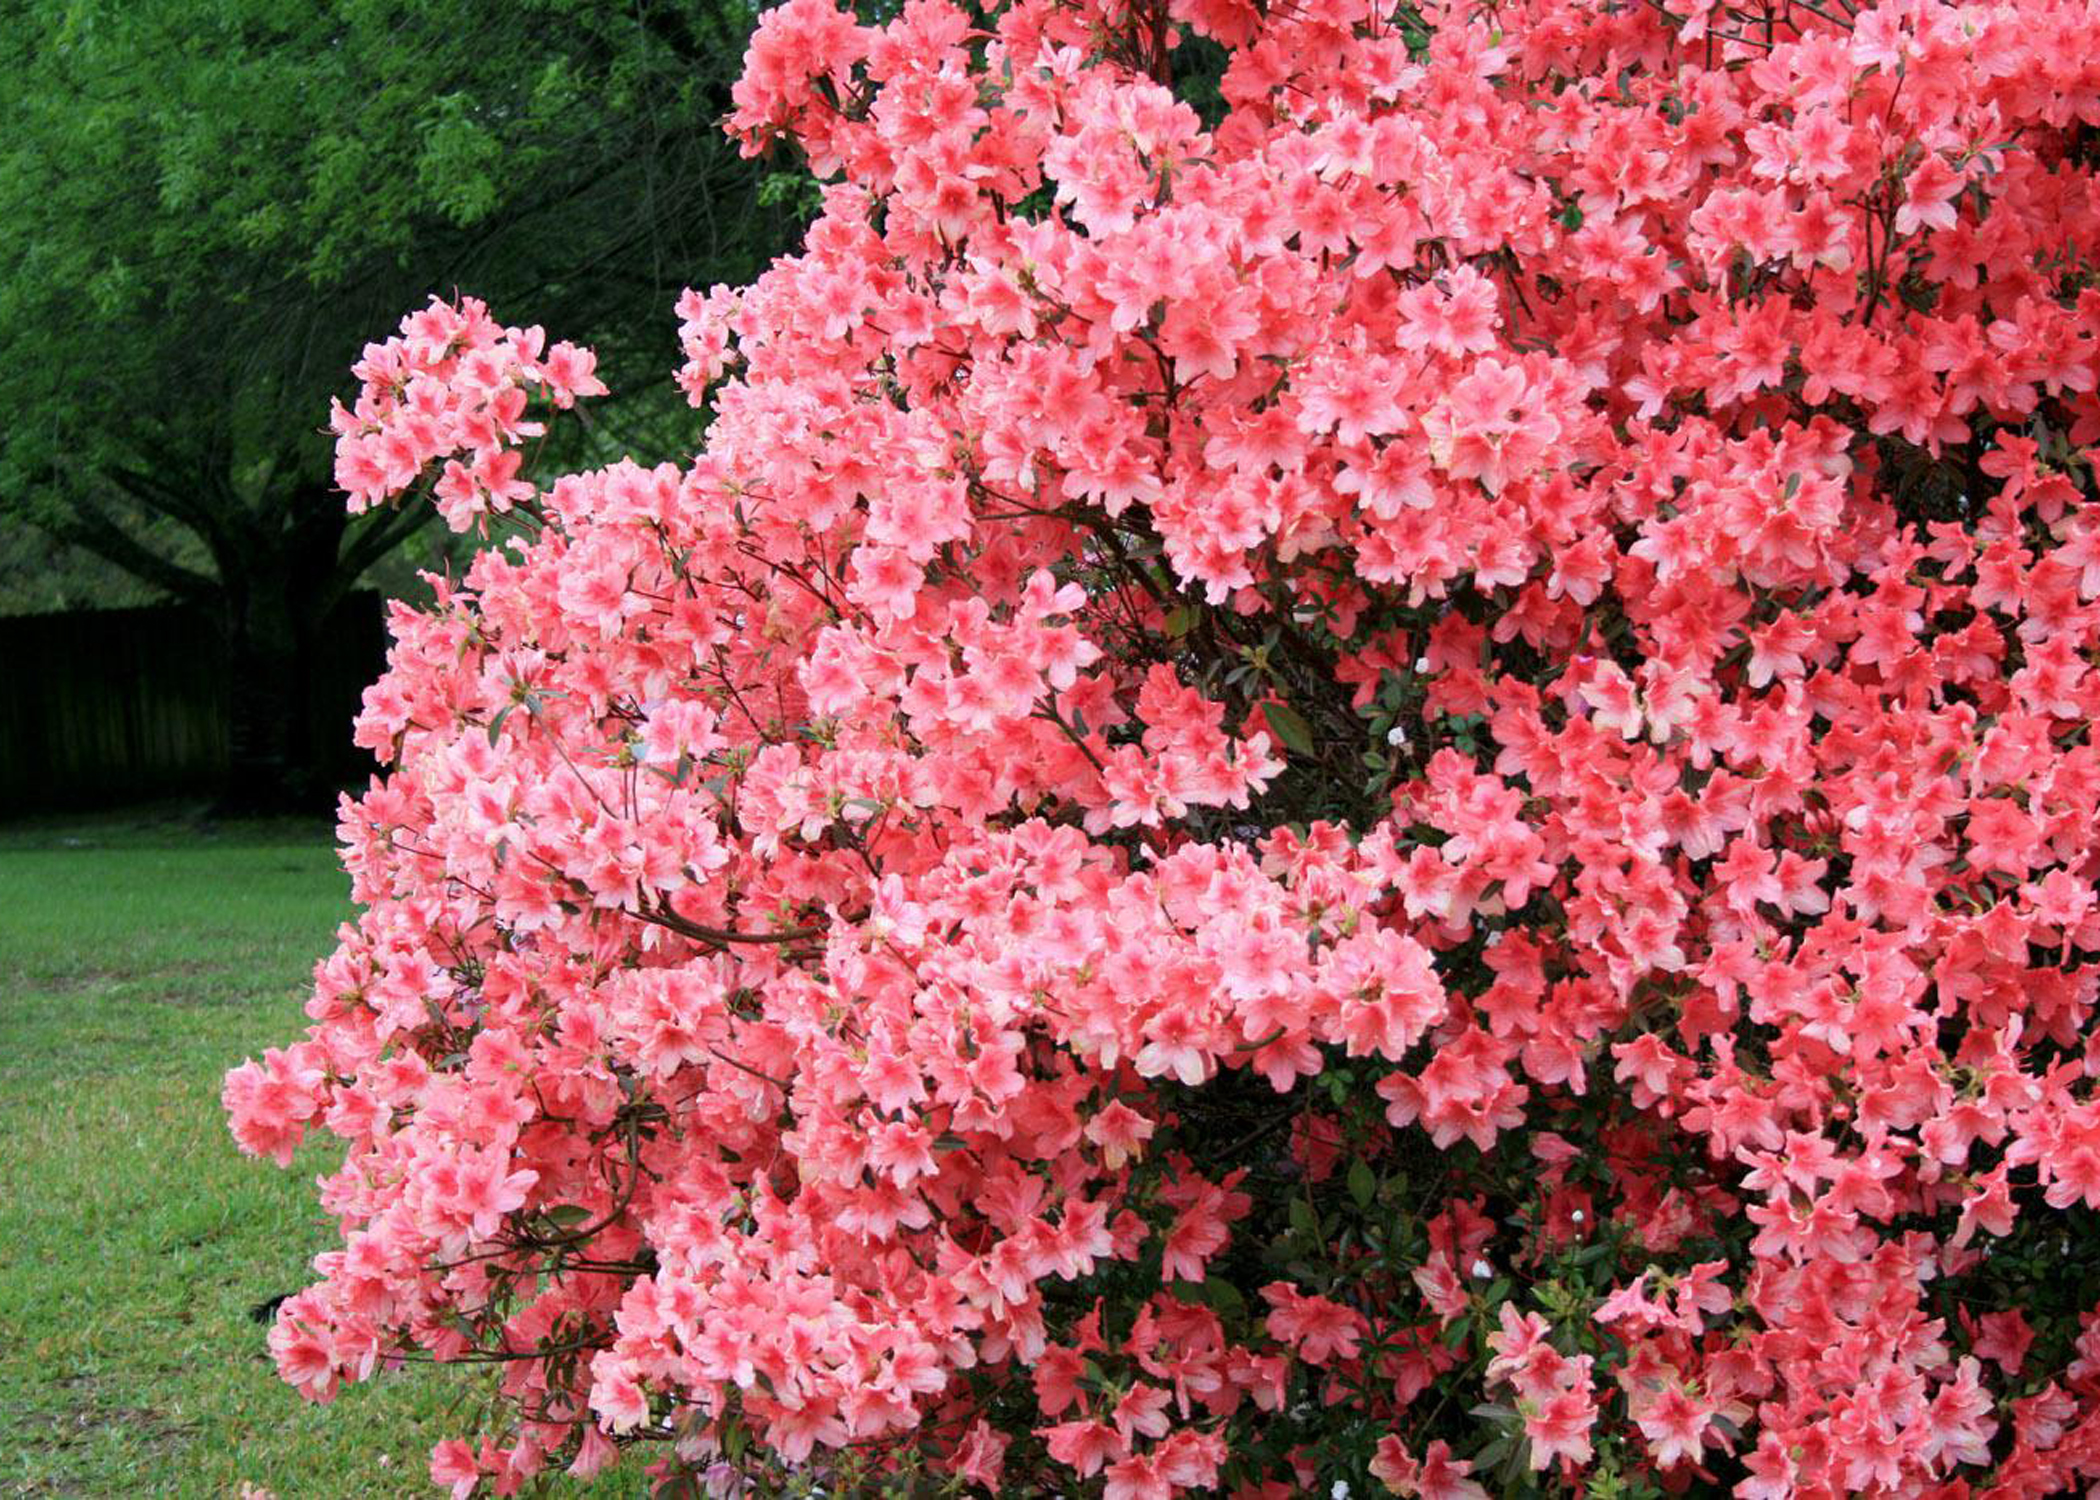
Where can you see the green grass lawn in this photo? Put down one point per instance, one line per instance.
(137, 963)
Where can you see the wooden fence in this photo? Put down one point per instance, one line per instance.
(102, 707)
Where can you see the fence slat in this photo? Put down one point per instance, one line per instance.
(100, 707)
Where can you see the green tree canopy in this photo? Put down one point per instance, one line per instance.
(209, 206)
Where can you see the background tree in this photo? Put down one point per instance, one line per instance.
(210, 210)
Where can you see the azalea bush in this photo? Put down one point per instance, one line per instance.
(1360, 755)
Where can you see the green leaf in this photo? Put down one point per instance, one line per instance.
(1290, 726)
(569, 1215)
(1363, 1185)
(1302, 1217)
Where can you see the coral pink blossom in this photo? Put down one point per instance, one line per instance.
(1358, 746)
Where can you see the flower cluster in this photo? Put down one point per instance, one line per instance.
(1362, 755)
(454, 385)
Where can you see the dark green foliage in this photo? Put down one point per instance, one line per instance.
(210, 208)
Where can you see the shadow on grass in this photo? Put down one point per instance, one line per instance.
(161, 825)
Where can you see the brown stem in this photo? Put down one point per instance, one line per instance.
(721, 937)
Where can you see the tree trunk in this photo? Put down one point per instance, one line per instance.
(280, 604)
(269, 767)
